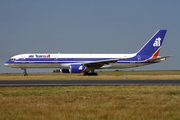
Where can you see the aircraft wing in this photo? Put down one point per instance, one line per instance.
(158, 59)
(98, 64)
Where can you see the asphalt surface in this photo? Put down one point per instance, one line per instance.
(33, 83)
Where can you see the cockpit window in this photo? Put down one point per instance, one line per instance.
(12, 59)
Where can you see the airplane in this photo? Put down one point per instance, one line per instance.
(87, 63)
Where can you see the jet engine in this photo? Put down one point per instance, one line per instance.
(77, 68)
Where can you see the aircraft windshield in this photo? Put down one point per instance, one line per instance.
(12, 59)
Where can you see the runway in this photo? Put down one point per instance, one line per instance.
(33, 83)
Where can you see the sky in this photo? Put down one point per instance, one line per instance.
(87, 26)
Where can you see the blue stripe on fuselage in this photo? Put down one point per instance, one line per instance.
(138, 58)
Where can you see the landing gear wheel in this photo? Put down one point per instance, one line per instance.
(25, 74)
(86, 73)
(95, 74)
(90, 74)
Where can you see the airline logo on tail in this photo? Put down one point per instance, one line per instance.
(157, 42)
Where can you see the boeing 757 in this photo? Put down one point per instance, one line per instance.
(87, 63)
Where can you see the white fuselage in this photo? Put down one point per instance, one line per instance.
(55, 60)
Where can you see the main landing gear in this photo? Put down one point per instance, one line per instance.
(25, 72)
(91, 74)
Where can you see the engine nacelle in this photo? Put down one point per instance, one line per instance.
(77, 68)
(65, 70)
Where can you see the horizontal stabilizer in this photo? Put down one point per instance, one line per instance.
(158, 59)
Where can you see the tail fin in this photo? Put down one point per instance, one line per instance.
(153, 46)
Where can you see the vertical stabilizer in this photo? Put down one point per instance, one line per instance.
(153, 46)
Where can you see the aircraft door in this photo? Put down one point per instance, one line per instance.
(55, 58)
(23, 59)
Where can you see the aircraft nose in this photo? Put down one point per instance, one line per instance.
(6, 64)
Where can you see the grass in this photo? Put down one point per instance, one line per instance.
(114, 75)
(93, 103)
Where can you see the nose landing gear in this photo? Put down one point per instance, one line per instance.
(25, 72)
